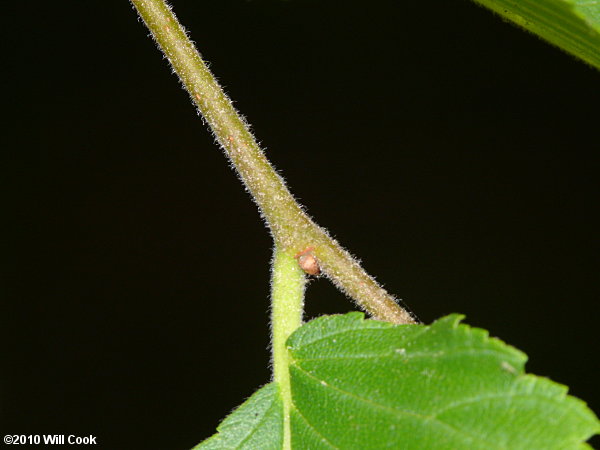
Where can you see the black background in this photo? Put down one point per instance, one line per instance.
(456, 155)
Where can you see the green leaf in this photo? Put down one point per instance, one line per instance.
(256, 424)
(573, 25)
(366, 384)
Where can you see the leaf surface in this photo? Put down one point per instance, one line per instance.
(573, 25)
(256, 424)
(366, 384)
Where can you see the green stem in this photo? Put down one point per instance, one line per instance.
(287, 303)
(290, 226)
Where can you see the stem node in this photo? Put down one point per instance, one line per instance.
(289, 224)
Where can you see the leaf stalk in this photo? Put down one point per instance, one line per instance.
(287, 305)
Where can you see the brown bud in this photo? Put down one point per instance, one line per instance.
(308, 262)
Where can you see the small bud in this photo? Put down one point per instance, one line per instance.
(308, 262)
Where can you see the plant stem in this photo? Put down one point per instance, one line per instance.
(291, 228)
(287, 304)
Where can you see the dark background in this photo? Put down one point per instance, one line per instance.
(456, 155)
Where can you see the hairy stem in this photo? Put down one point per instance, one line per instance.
(287, 303)
(291, 228)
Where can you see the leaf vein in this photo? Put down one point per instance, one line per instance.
(410, 355)
(314, 429)
(429, 418)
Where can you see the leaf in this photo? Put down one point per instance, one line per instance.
(368, 384)
(361, 384)
(573, 25)
(256, 424)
